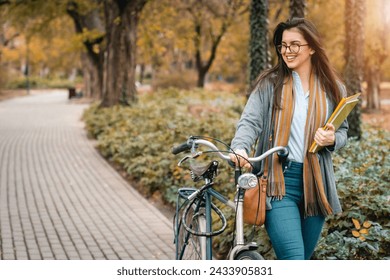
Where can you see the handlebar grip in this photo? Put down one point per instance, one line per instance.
(181, 148)
(283, 154)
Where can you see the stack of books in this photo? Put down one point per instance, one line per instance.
(338, 116)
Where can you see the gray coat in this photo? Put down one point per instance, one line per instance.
(254, 125)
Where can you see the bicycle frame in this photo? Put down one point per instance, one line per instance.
(237, 206)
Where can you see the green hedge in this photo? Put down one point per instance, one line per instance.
(362, 231)
(37, 82)
(139, 140)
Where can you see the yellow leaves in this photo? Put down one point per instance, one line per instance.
(50, 48)
(177, 173)
(363, 231)
(90, 35)
(10, 54)
(117, 20)
(360, 232)
(355, 233)
(96, 48)
(356, 223)
(366, 224)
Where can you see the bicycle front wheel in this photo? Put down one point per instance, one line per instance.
(189, 246)
(248, 255)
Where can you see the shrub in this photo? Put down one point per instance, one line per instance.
(37, 82)
(362, 172)
(180, 80)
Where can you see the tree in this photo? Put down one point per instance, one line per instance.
(110, 41)
(259, 56)
(43, 36)
(5, 39)
(90, 26)
(108, 31)
(163, 32)
(121, 19)
(297, 8)
(354, 44)
(166, 44)
(211, 19)
(375, 53)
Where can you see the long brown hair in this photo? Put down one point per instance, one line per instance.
(320, 62)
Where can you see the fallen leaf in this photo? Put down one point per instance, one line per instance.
(366, 224)
(355, 233)
(356, 223)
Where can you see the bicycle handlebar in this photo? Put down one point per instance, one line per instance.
(193, 142)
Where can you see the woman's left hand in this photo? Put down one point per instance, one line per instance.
(325, 137)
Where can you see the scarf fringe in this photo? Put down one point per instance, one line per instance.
(276, 189)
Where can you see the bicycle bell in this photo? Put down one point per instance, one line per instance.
(247, 181)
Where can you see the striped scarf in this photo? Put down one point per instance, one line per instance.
(314, 194)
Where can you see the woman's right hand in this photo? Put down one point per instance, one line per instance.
(240, 158)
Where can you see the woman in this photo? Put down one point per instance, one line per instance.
(289, 107)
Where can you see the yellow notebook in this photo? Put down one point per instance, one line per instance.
(338, 116)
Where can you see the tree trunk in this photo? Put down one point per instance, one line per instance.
(142, 73)
(131, 23)
(297, 8)
(203, 67)
(201, 78)
(92, 77)
(354, 43)
(93, 61)
(119, 64)
(259, 56)
(113, 63)
(87, 77)
(375, 56)
(373, 88)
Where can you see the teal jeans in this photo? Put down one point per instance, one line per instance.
(293, 237)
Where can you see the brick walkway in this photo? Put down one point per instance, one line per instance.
(59, 199)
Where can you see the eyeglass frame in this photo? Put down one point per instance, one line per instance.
(289, 47)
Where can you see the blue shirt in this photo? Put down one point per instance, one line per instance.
(296, 141)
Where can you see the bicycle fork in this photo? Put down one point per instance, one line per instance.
(239, 242)
(239, 218)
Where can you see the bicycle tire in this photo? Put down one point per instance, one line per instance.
(189, 246)
(248, 255)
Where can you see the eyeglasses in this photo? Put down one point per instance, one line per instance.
(294, 48)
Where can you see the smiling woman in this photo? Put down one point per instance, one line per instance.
(289, 107)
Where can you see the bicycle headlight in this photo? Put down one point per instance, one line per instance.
(247, 181)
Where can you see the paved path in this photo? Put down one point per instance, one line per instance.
(59, 199)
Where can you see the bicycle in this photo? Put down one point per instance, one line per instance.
(193, 222)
